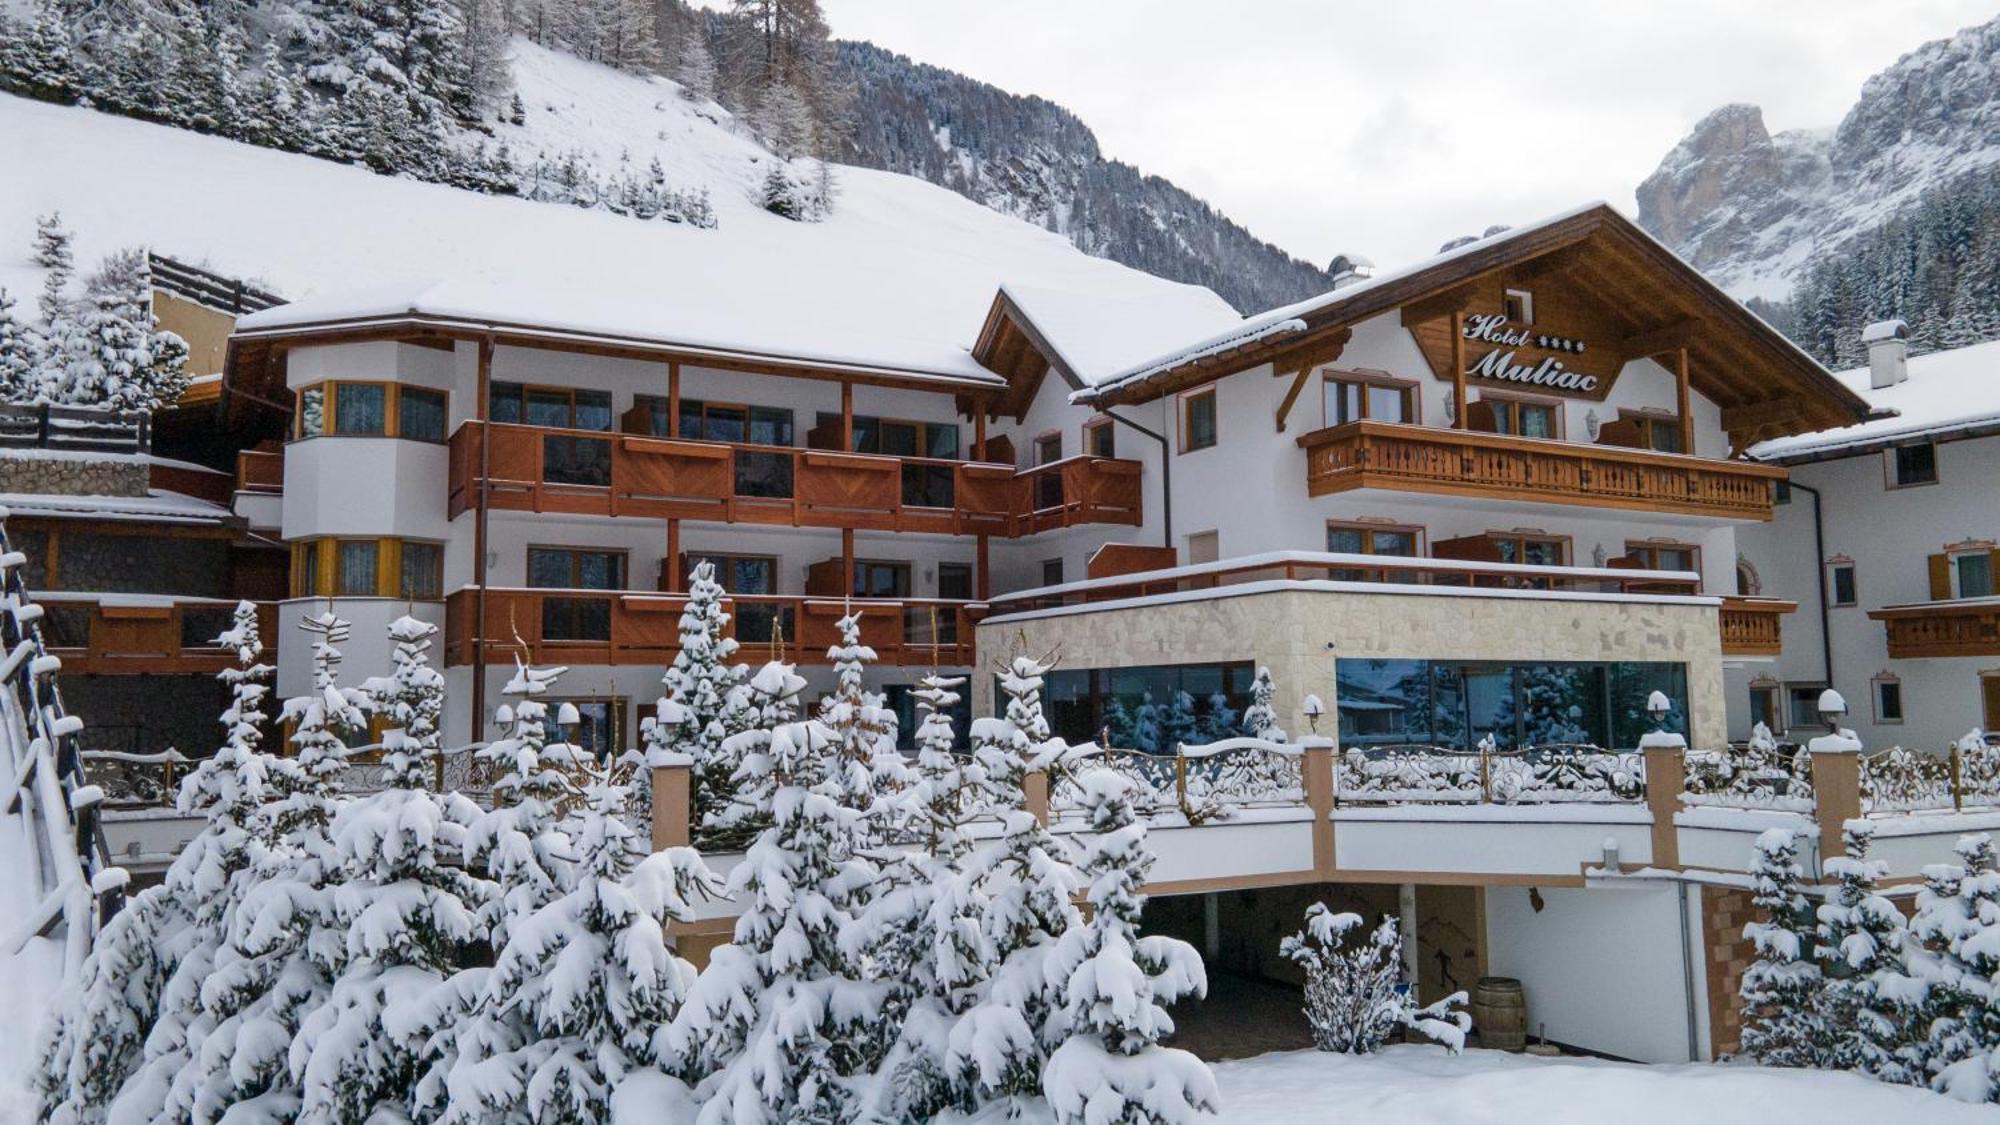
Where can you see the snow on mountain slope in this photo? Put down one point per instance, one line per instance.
(902, 274)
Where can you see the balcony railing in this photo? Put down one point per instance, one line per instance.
(590, 472)
(1497, 466)
(618, 627)
(142, 634)
(1328, 566)
(1962, 627)
(1750, 625)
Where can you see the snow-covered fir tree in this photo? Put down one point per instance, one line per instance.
(694, 67)
(19, 355)
(1260, 719)
(783, 1024)
(771, 699)
(1221, 720)
(1933, 988)
(109, 351)
(1110, 985)
(1860, 939)
(698, 684)
(409, 918)
(590, 976)
(1353, 1001)
(53, 254)
(1784, 1022)
(97, 1039)
(1966, 1059)
(866, 764)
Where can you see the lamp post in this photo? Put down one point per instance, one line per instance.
(1313, 709)
(1659, 706)
(1832, 708)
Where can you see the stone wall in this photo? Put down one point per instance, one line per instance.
(1724, 913)
(71, 476)
(1300, 634)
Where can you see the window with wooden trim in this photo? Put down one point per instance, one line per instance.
(1049, 448)
(1100, 438)
(567, 408)
(1913, 465)
(874, 578)
(348, 408)
(954, 580)
(1660, 433)
(1664, 556)
(1764, 706)
(728, 421)
(1519, 306)
(1524, 417)
(576, 568)
(335, 567)
(1052, 572)
(1199, 424)
(1888, 696)
(1351, 397)
(1802, 707)
(1964, 572)
(1532, 550)
(891, 437)
(1840, 586)
(736, 574)
(1374, 539)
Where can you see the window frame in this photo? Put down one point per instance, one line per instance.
(328, 391)
(1521, 539)
(900, 567)
(689, 559)
(699, 413)
(1876, 686)
(1650, 422)
(880, 422)
(1368, 530)
(1092, 428)
(1510, 402)
(971, 580)
(619, 707)
(1060, 577)
(316, 573)
(1984, 553)
(523, 390)
(1893, 466)
(1833, 584)
(1649, 550)
(1185, 402)
(1411, 390)
(623, 555)
(1527, 305)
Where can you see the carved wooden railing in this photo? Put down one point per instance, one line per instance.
(591, 472)
(615, 627)
(1950, 628)
(1459, 462)
(1750, 626)
(142, 634)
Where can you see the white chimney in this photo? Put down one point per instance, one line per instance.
(1350, 268)
(1888, 343)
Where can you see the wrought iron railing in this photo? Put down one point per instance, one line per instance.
(1555, 773)
(1759, 774)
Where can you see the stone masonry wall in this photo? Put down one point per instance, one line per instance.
(1724, 913)
(1300, 634)
(72, 476)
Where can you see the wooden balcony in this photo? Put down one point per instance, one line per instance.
(1962, 627)
(1410, 458)
(260, 470)
(1750, 626)
(143, 634)
(616, 627)
(587, 472)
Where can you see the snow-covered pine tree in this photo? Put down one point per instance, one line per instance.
(1861, 938)
(109, 351)
(1110, 984)
(1179, 726)
(1933, 988)
(753, 710)
(409, 919)
(97, 1039)
(1967, 1062)
(1784, 1017)
(1221, 721)
(699, 682)
(866, 764)
(1353, 1003)
(694, 66)
(590, 975)
(781, 1025)
(53, 254)
(19, 355)
(1260, 719)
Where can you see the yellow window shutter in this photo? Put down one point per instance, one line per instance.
(1940, 577)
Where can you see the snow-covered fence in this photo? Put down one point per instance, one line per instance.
(1901, 779)
(451, 771)
(1759, 774)
(136, 780)
(1202, 783)
(1556, 773)
(74, 428)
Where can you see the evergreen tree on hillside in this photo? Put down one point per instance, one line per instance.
(698, 684)
(53, 254)
(19, 356)
(694, 67)
(110, 352)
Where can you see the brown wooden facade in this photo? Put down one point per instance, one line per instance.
(1969, 628)
(93, 638)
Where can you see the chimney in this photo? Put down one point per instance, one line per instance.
(1349, 268)
(1888, 343)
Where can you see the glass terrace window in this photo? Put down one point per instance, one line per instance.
(563, 407)
(1152, 708)
(1454, 703)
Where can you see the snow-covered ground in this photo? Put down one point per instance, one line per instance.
(1413, 1085)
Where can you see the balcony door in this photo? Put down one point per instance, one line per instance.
(576, 617)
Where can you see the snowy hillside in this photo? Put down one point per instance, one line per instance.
(902, 273)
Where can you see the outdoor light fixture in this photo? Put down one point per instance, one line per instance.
(1831, 708)
(1658, 705)
(1313, 709)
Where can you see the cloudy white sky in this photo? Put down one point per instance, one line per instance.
(1386, 128)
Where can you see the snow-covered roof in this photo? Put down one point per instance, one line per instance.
(157, 507)
(1098, 333)
(1947, 393)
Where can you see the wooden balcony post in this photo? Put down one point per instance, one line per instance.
(671, 791)
(673, 398)
(847, 560)
(672, 565)
(1316, 754)
(1836, 783)
(1035, 794)
(1458, 419)
(1666, 777)
(979, 431)
(1682, 400)
(983, 585)
(846, 417)
(485, 408)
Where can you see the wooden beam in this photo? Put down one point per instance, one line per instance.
(1292, 396)
(846, 417)
(1458, 401)
(673, 398)
(1683, 400)
(673, 563)
(1549, 267)
(979, 431)
(1671, 337)
(485, 410)
(983, 586)
(1313, 352)
(847, 561)
(1456, 299)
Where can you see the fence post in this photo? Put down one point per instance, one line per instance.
(1035, 794)
(1485, 772)
(671, 781)
(1836, 779)
(1180, 778)
(1317, 752)
(1666, 776)
(1957, 780)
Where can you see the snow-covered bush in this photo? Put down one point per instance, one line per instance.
(1355, 998)
(1784, 1021)
(1965, 1053)
(1260, 719)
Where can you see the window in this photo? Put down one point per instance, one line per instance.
(422, 571)
(360, 408)
(736, 574)
(1100, 438)
(420, 414)
(1048, 485)
(954, 581)
(367, 568)
(1802, 701)
(1349, 398)
(1204, 547)
(1660, 433)
(1888, 699)
(881, 579)
(306, 570)
(600, 726)
(1534, 550)
(1052, 572)
(1454, 703)
(576, 460)
(1048, 449)
(1972, 574)
(312, 411)
(1781, 492)
(1370, 539)
(902, 699)
(1841, 587)
(1149, 709)
(1523, 418)
(714, 421)
(1520, 306)
(1764, 707)
(1914, 465)
(562, 407)
(892, 437)
(1664, 556)
(356, 561)
(1198, 422)
(575, 568)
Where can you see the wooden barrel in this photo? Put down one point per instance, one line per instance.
(1500, 1013)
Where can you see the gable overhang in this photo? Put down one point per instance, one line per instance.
(1011, 346)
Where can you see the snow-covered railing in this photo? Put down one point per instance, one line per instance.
(1758, 774)
(1202, 783)
(1556, 773)
(74, 428)
(45, 782)
(451, 771)
(136, 780)
(1901, 779)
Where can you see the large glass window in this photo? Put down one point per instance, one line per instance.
(420, 414)
(1350, 400)
(716, 421)
(1524, 419)
(1151, 709)
(894, 437)
(562, 407)
(360, 408)
(573, 568)
(1456, 703)
(356, 560)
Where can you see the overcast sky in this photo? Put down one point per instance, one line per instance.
(1386, 128)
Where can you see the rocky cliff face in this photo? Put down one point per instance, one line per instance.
(1035, 160)
(1753, 210)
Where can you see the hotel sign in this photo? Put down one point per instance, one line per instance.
(1505, 362)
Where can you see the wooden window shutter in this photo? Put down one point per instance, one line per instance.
(824, 579)
(1940, 577)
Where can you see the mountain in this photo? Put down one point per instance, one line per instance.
(1031, 158)
(1889, 213)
